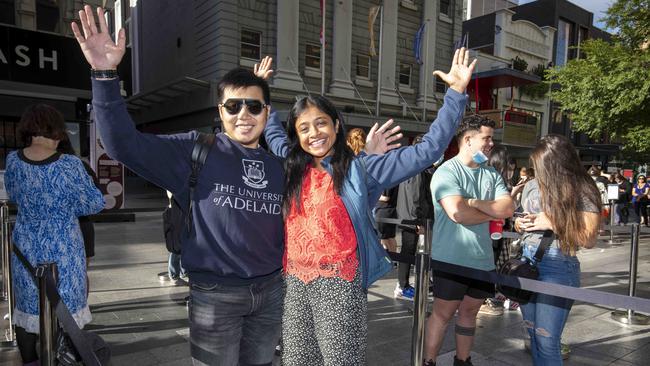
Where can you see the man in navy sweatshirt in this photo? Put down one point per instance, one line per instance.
(234, 255)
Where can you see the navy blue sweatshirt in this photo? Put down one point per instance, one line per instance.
(237, 214)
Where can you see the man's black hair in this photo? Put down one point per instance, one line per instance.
(242, 78)
(473, 122)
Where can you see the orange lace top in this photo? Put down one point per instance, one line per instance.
(320, 239)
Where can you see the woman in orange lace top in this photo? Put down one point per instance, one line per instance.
(332, 253)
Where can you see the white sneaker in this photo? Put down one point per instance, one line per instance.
(407, 293)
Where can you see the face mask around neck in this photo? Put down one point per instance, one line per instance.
(478, 157)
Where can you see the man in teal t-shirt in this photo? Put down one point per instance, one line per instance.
(472, 245)
(467, 194)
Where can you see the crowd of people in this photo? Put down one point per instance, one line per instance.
(282, 242)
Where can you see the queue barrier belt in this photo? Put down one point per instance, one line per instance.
(609, 299)
(567, 292)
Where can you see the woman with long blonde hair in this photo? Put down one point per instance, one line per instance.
(571, 211)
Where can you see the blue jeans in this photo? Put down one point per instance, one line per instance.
(174, 266)
(545, 315)
(235, 325)
(622, 213)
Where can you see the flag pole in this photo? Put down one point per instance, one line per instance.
(381, 42)
(426, 75)
(322, 52)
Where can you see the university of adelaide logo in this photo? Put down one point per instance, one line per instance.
(254, 173)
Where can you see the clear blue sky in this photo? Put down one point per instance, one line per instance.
(598, 7)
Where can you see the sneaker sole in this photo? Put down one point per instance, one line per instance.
(399, 297)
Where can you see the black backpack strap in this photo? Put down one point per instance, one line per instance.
(546, 241)
(200, 151)
(66, 320)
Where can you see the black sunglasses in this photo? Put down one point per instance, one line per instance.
(234, 105)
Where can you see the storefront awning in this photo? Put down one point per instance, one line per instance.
(502, 78)
(166, 93)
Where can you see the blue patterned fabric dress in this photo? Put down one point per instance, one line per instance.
(50, 195)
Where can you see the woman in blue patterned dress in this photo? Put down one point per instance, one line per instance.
(51, 190)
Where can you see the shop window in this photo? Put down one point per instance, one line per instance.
(445, 7)
(47, 15)
(441, 86)
(363, 67)
(7, 12)
(250, 44)
(405, 75)
(563, 40)
(312, 56)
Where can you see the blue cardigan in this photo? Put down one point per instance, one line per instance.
(369, 175)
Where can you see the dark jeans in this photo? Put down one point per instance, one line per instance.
(235, 325)
(174, 266)
(409, 245)
(640, 209)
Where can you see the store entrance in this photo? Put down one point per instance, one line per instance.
(9, 139)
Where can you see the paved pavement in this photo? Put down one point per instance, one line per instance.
(144, 319)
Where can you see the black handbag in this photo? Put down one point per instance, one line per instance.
(526, 268)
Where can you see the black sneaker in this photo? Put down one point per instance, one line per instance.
(428, 362)
(467, 362)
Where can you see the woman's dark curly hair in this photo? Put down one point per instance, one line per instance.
(41, 120)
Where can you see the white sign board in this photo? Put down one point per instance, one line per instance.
(612, 192)
(3, 192)
(109, 172)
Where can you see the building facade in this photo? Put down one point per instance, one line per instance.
(543, 32)
(512, 57)
(574, 25)
(477, 8)
(40, 62)
(177, 63)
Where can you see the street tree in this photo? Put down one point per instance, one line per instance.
(608, 91)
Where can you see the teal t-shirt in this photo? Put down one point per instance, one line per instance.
(465, 245)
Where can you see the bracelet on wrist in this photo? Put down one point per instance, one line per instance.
(103, 74)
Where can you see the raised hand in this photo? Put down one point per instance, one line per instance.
(97, 46)
(460, 73)
(263, 69)
(380, 140)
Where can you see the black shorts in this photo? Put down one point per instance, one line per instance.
(386, 231)
(452, 287)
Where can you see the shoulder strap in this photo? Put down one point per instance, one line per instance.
(202, 146)
(25, 262)
(200, 151)
(546, 241)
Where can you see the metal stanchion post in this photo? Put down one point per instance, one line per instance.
(629, 316)
(611, 224)
(47, 316)
(9, 339)
(4, 259)
(422, 265)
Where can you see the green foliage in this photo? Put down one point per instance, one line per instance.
(537, 90)
(632, 19)
(519, 64)
(608, 91)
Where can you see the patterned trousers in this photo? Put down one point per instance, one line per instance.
(324, 322)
